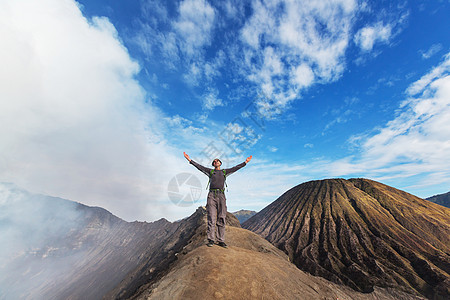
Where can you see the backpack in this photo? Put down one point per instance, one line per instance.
(212, 172)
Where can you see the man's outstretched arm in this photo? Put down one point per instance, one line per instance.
(197, 165)
(235, 168)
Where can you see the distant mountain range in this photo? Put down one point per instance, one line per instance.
(363, 234)
(362, 237)
(243, 215)
(441, 199)
(58, 249)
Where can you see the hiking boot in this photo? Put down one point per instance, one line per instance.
(210, 243)
(222, 244)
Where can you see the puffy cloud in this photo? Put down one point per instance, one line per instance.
(302, 76)
(282, 47)
(211, 100)
(366, 37)
(184, 36)
(72, 117)
(180, 43)
(290, 45)
(194, 25)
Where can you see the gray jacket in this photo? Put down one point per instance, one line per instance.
(217, 179)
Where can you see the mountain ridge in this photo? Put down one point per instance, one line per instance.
(441, 199)
(251, 268)
(244, 214)
(359, 232)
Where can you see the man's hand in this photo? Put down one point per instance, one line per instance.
(187, 156)
(248, 159)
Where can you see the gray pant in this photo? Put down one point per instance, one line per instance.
(216, 208)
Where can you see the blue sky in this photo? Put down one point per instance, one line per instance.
(117, 90)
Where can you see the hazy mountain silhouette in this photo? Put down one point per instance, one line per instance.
(243, 215)
(441, 199)
(363, 234)
(58, 249)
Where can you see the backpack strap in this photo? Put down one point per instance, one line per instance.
(210, 175)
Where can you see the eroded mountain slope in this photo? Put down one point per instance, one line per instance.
(363, 234)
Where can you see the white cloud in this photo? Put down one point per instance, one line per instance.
(152, 8)
(302, 76)
(435, 48)
(416, 142)
(72, 117)
(150, 40)
(181, 41)
(194, 25)
(181, 38)
(234, 9)
(201, 71)
(425, 81)
(272, 149)
(211, 100)
(184, 126)
(305, 40)
(366, 37)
